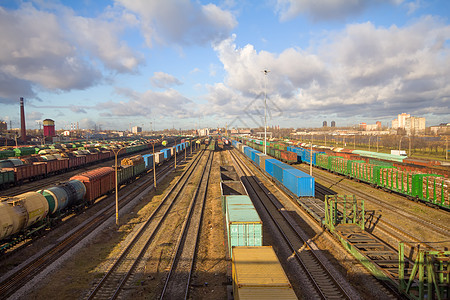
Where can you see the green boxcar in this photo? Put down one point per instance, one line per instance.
(24, 151)
(139, 168)
(4, 154)
(6, 178)
(124, 173)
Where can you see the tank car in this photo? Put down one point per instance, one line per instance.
(20, 212)
(64, 195)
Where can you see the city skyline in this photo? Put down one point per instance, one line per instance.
(188, 64)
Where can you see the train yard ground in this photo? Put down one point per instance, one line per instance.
(78, 275)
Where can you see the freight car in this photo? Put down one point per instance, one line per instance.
(98, 182)
(18, 214)
(258, 274)
(21, 217)
(281, 154)
(256, 270)
(294, 181)
(64, 195)
(48, 162)
(243, 224)
(431, 189)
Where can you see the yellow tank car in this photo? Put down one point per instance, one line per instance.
(20, 212)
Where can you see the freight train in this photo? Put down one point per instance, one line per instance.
(244, 230)
(26, 214)
(432, 189)
(292, 180)
(35, 163)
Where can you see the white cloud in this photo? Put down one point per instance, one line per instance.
(34, 116)
(369, 71)
(164, 80)
(168, 103)
(58, 52)
(180, 22)
(413, 6)
(100, 39)
(325, 9)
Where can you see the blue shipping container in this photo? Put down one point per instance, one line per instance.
(167, 153)
(278, 170)
(298, 182)
(255, 157)
(148, 159)
(269, 165)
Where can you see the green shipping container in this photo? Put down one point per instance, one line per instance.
(244, 227)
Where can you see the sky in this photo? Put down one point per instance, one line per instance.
(164, 64)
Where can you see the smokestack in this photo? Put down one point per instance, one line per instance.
(23, 130)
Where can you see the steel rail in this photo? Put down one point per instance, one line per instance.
(15, 281)
(174, 190)
(173, 289)
(325, 284)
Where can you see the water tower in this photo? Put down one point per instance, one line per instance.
(49, 128)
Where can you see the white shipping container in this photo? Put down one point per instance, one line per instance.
(398, 152)
(159, 157)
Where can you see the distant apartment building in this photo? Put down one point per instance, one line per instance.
(324, 124)
(136, 129)
(443, 128)
(412, 125)
(370, 127)
(333, 124)
(203, 132)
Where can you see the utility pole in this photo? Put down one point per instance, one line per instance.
(154, 166)
(116, 152)
(266, 72)
(311, 156)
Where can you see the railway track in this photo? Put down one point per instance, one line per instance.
(112, 283)
(315, 266)
(12, 282)
(177, 281)
(416, 219)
